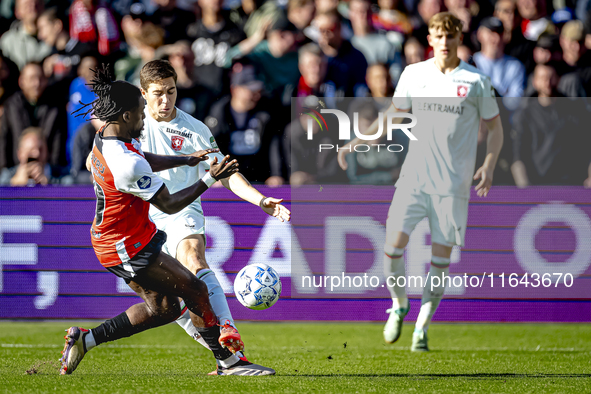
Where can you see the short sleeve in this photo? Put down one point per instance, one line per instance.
(402, 97)
(487, 107)
(210, 143)
(138, 179)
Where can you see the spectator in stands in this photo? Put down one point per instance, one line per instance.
(426, 9)
(548, 49)
(516, 45)
(507, 74)
(376, 48)
(346, 64)
(265, 12)
(374, 167)
(92, 22)
(466, 54)
(313, 65)
(391, 16)
(142, 49)
(276, 58)
(192, 98)
(172, 20)
(213, 35)
(81, 147)
(326, 6)
(572, 42)
(465, 10)
(578, 58)
(307, 164)
(414, 51)
(379, 82)
(243, 10)
(535, 22)
(65, 53)
(19, 44)
(8, 81)
(242, 127)
(301, 13)
(547, 135)
(79, 92)
(32, 168)
(33, 106)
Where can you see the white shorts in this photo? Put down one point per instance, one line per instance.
(448, 215)
(179, 226)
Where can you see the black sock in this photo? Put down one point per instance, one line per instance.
(211, 336)
(115, 328)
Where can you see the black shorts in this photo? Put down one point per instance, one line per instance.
(129, 270)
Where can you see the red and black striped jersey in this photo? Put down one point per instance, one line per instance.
(123, 183)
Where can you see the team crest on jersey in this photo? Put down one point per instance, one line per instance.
(213, 143)
(462, 90)
(144, 182)
(177, 143)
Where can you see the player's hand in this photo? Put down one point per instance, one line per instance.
(272, 206)
(587, 183)
(485, 175)
(224, 169)
(342, 158)
(199, 156)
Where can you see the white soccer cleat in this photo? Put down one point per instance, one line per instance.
(74, 350)
(419, 341)
(393, 327)
(245, 368)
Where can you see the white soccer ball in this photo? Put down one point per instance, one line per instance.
(257, 286)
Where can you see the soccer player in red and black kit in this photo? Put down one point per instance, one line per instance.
(126, 241)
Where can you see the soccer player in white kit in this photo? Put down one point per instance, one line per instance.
(449, 98)
(170, 131)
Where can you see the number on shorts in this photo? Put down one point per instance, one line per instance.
(100, 203)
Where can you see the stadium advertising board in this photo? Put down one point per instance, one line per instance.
(527, 251)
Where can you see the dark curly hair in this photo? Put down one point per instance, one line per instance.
(113, 97)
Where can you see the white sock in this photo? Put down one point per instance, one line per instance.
(233, 359)
(432, 298)
(394, 268)
(185, 322)
(89, 341)
(217, 298)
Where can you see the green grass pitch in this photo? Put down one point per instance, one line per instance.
(309, 357)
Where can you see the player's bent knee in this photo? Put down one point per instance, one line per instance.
(397, 239)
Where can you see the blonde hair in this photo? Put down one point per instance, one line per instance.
(447, 22)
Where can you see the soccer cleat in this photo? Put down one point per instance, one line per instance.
(240, 355)
(244, 368)
(230, 338)
(393, 326)
(419, 341)
(74, 350)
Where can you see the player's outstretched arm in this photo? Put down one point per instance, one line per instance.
(173, 203)
(240, 186)
(162, 162)
(494, 144)
(373, 129)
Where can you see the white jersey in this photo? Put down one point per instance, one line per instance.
(448, 108)
(182, 135)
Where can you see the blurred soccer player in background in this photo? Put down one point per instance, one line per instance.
(449, 98)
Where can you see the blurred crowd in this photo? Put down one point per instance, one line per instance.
(240, 64)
